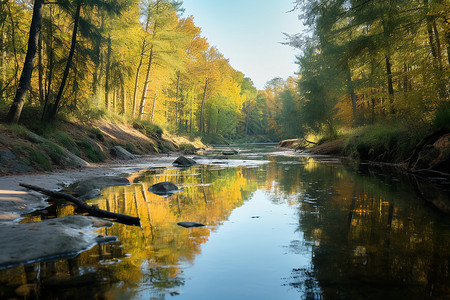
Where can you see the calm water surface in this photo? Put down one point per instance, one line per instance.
(279, 226)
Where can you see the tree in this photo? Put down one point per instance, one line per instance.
(25, 79)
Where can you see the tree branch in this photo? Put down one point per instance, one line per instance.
(91, 210)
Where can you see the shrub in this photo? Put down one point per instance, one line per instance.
(187, 148)
(442, 116)
(130, 148)
(92, 151)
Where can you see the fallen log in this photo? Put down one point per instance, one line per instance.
(91, 210)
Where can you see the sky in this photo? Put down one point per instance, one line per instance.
(249, 33)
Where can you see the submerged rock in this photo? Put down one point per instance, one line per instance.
(164, 188)
(190, 224)
(184, 162)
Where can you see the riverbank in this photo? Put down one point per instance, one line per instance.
(67, 145)
(416, 150)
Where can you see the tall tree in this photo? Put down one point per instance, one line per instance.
(25, 79)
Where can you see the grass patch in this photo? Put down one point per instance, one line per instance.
(97, 134)
(93, 152)
(40, 159)
(148, 128)
(63, 139)
(131, 148)
(386, 143)
(187, 148)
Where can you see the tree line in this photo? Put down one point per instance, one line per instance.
(142, 59)
(364, 62)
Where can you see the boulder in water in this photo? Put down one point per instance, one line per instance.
(184, 162)
(190, 224)
(164, 188)
(230, 152)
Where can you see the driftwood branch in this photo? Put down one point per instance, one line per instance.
(91, 210)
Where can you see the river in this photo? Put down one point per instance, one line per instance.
(279, 225)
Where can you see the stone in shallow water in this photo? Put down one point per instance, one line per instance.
(184, 162)
(190, 224)
(164, 188)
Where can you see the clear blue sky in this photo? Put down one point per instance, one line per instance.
(248, 33)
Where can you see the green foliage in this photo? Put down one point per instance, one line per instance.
(383, 143)
(40, 159)
(187, 148)
(148, 128)
(130, 148)
(92, 151)
(63, 139)
(32, 156)
(55, 152)
(442, 116)
(91, 114)
(97, 134)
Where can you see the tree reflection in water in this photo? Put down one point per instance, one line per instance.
(367, 234)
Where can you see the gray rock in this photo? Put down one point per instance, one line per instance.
(190, 224)
(9, 161)
(184, 162)
(164, 188)
(48, 239)
(229, 152)
(73, 161)
(121, 153)
(90, 188)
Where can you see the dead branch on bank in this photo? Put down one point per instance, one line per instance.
(91, 210)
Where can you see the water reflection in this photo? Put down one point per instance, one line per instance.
(331, 231)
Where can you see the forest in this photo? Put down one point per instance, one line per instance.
(361, 62)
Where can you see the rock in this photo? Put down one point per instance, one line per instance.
(164, 188)
(229, 152)
(90, 188)
(121, 153)
(73, 161)
(46, 240)
(190, 224)
(184, 162)
(9, 161)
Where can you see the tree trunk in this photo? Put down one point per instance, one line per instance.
(54, 108)
(124, 100)
(153, 108)
(25, 78)
(141, 110)
(351, 91)
(50, 57)
(2, 62)
(202, 116)
(176, 97)
(147, 79)
(41, 71)
(446, 25)
(114, 100)
(390, 83)
(108, 74)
